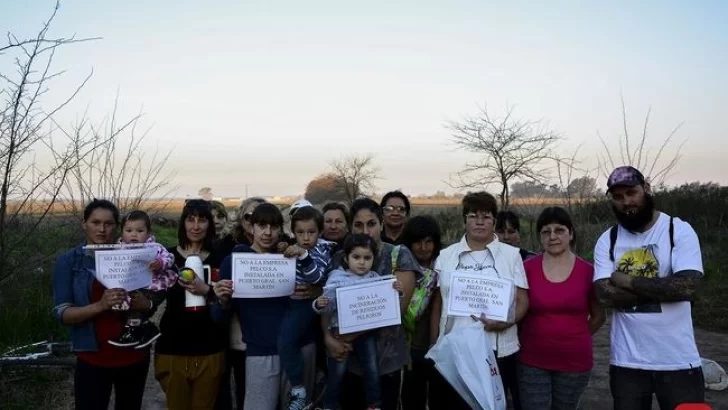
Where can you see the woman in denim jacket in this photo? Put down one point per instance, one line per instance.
(84, 305)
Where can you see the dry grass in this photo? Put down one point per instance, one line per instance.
(36, 388)
(175, 205)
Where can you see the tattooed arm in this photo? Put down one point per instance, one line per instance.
(612, 296)
(678, 287)
(606, 291)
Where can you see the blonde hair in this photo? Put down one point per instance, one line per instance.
(236, 226)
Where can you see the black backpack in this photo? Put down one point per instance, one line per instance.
(613, 238)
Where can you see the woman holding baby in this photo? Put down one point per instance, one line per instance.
(83, 304)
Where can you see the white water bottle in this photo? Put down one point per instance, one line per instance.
(194, 302)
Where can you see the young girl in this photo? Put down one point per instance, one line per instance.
(139, 332)
(359, 252)
(260, 318)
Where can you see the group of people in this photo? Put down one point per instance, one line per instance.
(286, 352)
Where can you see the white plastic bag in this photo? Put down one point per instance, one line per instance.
(466, 360)
(715, 376)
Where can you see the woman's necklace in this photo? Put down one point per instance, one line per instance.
(479, 265)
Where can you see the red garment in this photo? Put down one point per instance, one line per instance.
(109, 325)
(554, 334)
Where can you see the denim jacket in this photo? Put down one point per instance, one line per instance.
(73, 275)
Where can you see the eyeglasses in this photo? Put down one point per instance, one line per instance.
(546, 233)
(472, 216)
(392, 208)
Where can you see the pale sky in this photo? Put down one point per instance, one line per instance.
(265, 93)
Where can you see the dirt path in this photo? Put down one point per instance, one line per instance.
(154, 398)
(711, 345)
(597, 397)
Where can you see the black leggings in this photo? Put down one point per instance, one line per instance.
(92, 385)
(352, 395)
(234, 370)
(418, 389)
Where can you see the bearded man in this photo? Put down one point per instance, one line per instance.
(648, 268)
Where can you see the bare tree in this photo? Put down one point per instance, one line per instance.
(34, 162)
(510, 149)
(656, 167)
(354, 175)
(121, 169)
(582, 188)
(574, 189)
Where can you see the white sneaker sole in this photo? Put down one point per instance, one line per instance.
(117, 344)
(148, 342)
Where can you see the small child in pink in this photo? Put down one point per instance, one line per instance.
(139, 332)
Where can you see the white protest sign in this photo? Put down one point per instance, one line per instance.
(263, 275)
(125, 268)
(473, 294)
(367, 306)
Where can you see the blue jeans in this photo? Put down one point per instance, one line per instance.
(365, 347)
(295, 324)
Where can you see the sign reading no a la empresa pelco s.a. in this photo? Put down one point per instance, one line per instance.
(472, 294)
(127, 269)
(261, 275)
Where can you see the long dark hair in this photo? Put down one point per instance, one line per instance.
(421, 227)
(505, 218)
(368, 204)
(201, 209)
(101, 204)
(267, 214)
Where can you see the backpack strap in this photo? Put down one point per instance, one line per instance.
(612, 240)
